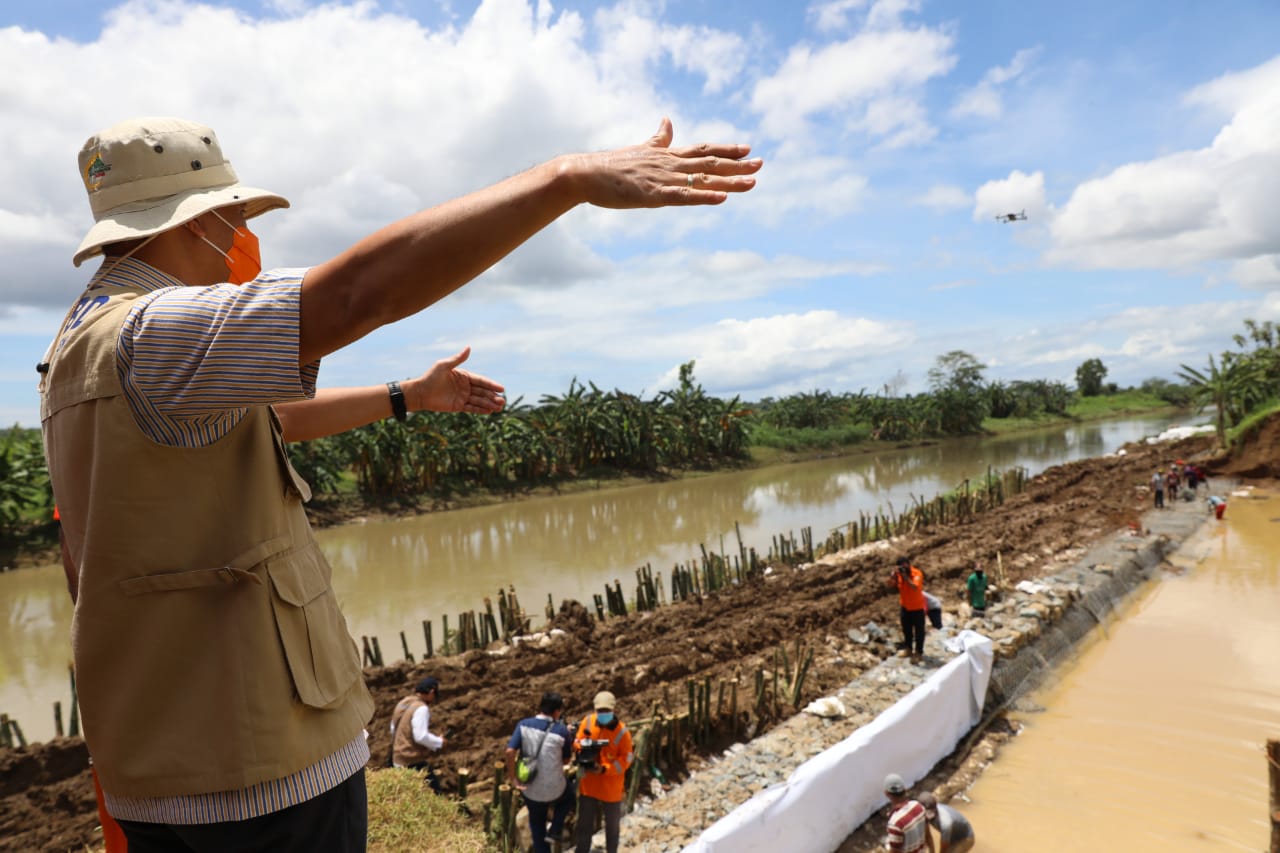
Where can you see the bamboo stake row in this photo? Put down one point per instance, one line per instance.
(714, 571)
(963, 504)
(11, 736)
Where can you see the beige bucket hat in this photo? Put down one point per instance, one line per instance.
(148, 175)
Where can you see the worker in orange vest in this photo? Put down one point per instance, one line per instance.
(910, 583)
(604, 753)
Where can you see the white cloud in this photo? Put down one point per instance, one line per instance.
(674, 280)
(781, 354)
(1260, 272)
(1216, 203)
(635, 41)
(833, 16)
(1013, 194)
(1135, 343)
(944, 197)
(798, 182)
(357, 114)
(985, 100)
(871, 82)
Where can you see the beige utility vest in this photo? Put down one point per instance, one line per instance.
(405, 751)
(209, 648)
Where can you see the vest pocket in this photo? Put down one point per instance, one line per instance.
(321, 655)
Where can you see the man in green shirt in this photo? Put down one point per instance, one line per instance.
(977, 586)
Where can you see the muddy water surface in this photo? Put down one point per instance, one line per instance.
(391, 575)
(1152, 739)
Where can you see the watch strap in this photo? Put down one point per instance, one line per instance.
(398, 407)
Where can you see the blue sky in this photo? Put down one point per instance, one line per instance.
(1141, 138)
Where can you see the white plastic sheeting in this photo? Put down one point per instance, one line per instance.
(833, 793)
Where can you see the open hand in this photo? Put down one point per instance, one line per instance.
(448, 388)
(653, 174)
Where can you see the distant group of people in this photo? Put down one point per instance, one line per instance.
(1180, 479)
(918, 606)
(1183, 479)
(541, 757)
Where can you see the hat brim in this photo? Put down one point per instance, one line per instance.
(152, 217)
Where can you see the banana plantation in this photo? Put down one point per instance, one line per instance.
(584, 431)
(591, 432)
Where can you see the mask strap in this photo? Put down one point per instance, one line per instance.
(215, 248)
(225, 222)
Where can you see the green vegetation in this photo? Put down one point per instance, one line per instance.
(405, 815)
(26, 499)
(588, 434)
(1089, 376)
(1241, 381)
(1119, 404)
(1250, 424)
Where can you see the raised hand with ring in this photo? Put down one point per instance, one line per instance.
(656, 174)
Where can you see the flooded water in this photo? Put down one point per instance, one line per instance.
(1153, 738)
(392, 575)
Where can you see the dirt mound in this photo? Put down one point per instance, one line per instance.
(645, 659)
(1257, 456)
(46, 798)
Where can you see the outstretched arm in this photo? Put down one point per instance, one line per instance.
(410, 264)
(445, 387)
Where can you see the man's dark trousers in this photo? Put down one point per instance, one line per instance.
(337, 821)
(913, 630)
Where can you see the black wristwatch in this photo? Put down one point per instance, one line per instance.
(398, 407)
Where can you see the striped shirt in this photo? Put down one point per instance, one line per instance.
(192, 362)
(908, 828)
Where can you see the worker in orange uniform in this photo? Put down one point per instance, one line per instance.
(604, 753)
(910, 583)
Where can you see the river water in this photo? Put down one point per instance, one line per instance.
(391, 575)
(1152, 738)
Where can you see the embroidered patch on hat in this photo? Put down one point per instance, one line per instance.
(95, 172)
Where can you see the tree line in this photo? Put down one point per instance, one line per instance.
(591, 432)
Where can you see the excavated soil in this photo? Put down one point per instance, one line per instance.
(46, 799)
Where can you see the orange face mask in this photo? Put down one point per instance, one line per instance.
(244, 258)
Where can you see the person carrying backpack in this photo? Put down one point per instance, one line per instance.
(540, 746)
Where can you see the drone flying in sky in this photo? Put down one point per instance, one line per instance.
(1012, 217)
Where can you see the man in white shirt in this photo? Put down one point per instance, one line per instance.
(412, 745)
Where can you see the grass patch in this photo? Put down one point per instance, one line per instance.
(1132, 402)
(807, 439)
(1129, 402)
(405, 815)
(1252, 422)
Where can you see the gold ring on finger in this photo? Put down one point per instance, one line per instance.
(689, 183)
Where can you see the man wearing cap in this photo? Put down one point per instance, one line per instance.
(600, 790)
(908, 830)
(221, 694)
(412, 745)
(955, 833)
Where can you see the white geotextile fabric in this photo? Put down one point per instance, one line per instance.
(833, 793)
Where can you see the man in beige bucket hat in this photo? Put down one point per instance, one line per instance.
(221, 694)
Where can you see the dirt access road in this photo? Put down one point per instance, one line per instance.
(46, 800)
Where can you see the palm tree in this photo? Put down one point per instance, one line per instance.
(1230, 388)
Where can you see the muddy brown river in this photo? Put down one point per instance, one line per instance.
(391, 575)
(1152, 738)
